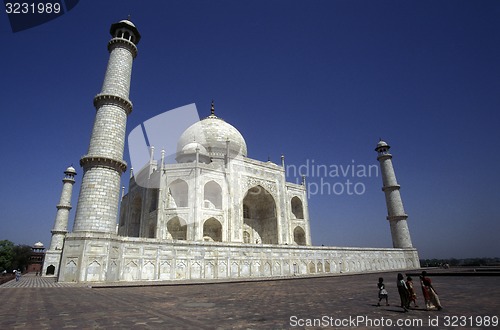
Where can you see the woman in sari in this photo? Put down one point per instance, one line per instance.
(430, 295)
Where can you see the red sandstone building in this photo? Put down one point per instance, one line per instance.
(36, 258)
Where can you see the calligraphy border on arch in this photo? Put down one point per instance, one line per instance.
(270, 186)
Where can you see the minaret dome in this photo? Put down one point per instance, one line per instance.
(125, 29)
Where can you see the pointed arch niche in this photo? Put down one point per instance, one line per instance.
(51, 270)
(212, 230)
(299, 236)
(177, 228)
(260, 220)
(178, 190)
(212, 196)
(297, 209)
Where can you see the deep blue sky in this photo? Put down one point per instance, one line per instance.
(315, 80)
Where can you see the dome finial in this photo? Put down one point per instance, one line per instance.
(212, 109)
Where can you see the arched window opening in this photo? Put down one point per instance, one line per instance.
(177, 229)
(178, 191)
(212, 230)
(50, 270)
(212, 195)
(297, 209)
(299, 236)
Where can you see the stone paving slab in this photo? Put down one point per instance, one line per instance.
(246, 305)
(32, 281)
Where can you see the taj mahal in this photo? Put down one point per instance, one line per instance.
(212, 214)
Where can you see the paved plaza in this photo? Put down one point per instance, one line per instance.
(39, 303)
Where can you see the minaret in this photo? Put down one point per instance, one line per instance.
(103, 164)
(53, 255)
(396, 213)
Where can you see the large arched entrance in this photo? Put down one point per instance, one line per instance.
(259, 216)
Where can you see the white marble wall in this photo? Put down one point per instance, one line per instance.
(88, 258)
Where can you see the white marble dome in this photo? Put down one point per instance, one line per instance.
(212, 133)
(188, 153)
(70, 170)
(126, 21)
(381, 144)
(192, 146)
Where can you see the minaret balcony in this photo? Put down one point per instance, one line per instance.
(69, 180)
(391, 188)
(63, 206)
(397, 217)
(107, 99)
(88, 161)
(62, 232)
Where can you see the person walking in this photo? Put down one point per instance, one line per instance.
(430, 295)
(403, 292)
(382, 292)
(411, 291)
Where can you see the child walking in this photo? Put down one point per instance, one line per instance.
(411, 290)
(382, 292)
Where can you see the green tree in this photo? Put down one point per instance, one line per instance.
(6, 255)
(22, 255)
(14, 256)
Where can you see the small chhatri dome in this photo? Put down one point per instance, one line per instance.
(213, 133)
(188, 153)
(70, 170)
(38, 245)
(382, 147)
(127, 21)
(191, 148)
(382, 144)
